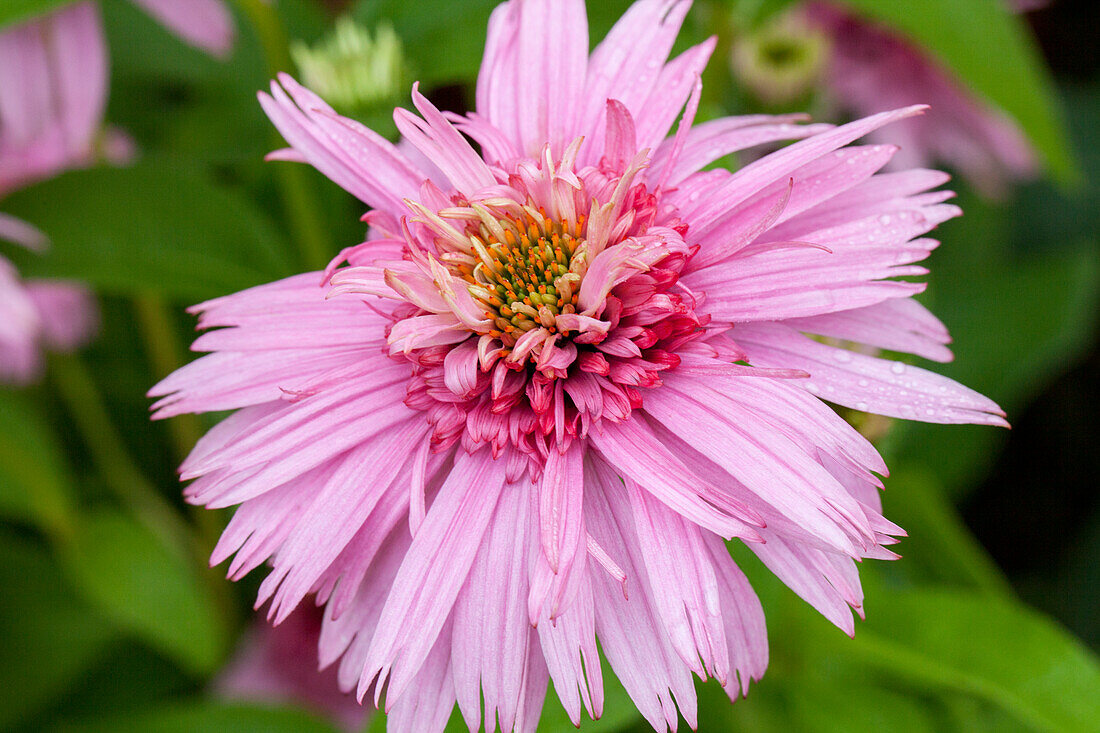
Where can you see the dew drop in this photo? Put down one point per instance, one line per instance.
(885, 220)
(861, 406)
(897, 368)
(930, 412)
(863, 383)
(842, 356)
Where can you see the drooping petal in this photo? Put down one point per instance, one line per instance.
(432, 574)
(360, 161)
(867, 383)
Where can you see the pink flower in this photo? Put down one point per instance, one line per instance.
(53, 91)
(53, 84)
(872, 69)
(279, 664)
(561, 372)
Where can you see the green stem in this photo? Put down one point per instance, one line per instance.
(165, 353)
(303, 212)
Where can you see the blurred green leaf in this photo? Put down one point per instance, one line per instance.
(14, 11)
(992, 51)
(765, 709)
(153, 227)
(127, 677)
(995, 650)
(35, 485)
(845, 703)
(208, 717)
(939, 543)
(135, 579)
(50, 636)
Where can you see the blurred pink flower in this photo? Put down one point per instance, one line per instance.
(872, 68)
(560, 372)
(279, 664)
(53, 91)
(53, 82)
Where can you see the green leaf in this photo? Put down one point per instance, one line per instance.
(35, 485)
(844, 702)
(136, 580)
(153, 227)
(1002, 652)
(129, 676)
(939, 543)
(208, 717)
(15, 11)
(992, 51)
(50, 636)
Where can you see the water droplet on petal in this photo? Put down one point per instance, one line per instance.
(897, 367)
(842, 356)
(861, 406)
(863, 383)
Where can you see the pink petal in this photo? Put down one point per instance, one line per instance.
(896, 325)
(68, 311)
(203, 23)
(492, 639)
(627, 63)
(869, 384)
(763, 459)
(635, 453)
(439, 559)
(552, 59)
(360, 161)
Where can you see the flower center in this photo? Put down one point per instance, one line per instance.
(528, 271)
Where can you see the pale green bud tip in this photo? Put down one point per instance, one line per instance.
(352, 69)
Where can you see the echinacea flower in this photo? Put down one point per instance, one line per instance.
(53, 81)
(872, 68)
(561, 372)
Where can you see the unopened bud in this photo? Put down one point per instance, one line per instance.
(351, 69)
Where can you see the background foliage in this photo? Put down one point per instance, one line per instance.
(111, 620)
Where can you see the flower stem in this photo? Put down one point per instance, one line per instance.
(165, 355)
(303, 212)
